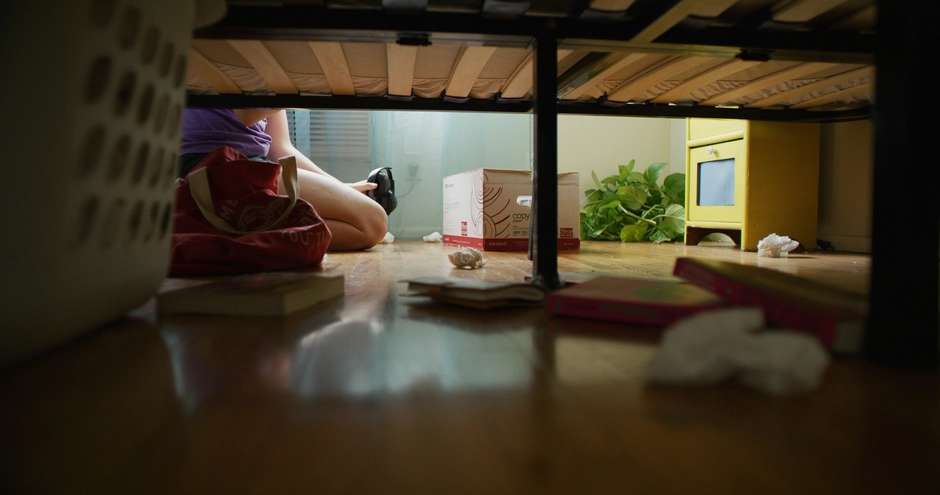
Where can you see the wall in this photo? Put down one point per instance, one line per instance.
(437, 144)
(587, 143)
(452, 142)
(845, 185)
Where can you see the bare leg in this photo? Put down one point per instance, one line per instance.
(354, 219)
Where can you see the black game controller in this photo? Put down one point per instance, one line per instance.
(384, 193)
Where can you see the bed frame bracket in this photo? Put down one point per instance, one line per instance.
(413, 39)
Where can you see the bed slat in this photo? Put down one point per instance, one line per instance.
(704, 79)
(778, 77)
(202, 67)
(802, 11)
(467, 68)
(600, 71)
(713, 8)
(639, 85)
(611, 5)
(520, 82)
(666, 21)
(838, 95)
(267, 66)
(333, 62)
(401, 68)
(809, 88)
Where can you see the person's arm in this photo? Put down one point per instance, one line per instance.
(251, 116)
(281, 146)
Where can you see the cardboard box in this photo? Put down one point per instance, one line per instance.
(480, 210)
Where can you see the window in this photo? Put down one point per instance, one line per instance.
(334, 139)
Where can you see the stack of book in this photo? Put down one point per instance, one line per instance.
(837, 318)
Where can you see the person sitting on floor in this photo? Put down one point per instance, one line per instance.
(355, 220)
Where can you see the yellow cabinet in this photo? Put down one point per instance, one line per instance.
(749, 179)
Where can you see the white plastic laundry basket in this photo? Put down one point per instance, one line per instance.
(92, 95)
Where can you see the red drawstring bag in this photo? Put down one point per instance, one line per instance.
(230, 219)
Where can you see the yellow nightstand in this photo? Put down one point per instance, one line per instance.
(749, 179)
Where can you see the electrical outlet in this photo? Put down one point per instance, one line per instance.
(413, 161)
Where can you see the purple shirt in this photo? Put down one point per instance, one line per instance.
(205, 129)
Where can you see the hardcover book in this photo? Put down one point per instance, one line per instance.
(837, 318)
(631, 300)
(479, 294)
(256, 294)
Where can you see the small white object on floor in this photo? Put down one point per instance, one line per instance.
(388, 239)
(714, 346)
(433, 237)
(467, 258)
(775, 246)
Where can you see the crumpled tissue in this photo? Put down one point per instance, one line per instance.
(775, 246)
(711, 347)
(433, 237)
(467, 258)
(388, 239)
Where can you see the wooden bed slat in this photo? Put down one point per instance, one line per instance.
(639, 85)
(838, 95)
(616, 61)
(666, 21)
(467, 68)
(202, 67)
(705, 78)
(520, 82)
(267, 66)
(804, 10)
(607, 66)
(809, 88)
(713, 8)
(333, 62)
(767, 81)
(860, 20)
(611, 5)
(401, 68)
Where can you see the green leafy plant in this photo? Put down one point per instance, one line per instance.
(633, 207)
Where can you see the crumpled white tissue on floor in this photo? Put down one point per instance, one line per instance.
(388, 239)
(714, 346)
(433, 237)
(775, 246)
(467, 258)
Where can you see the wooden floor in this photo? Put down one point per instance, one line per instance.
(377, 393)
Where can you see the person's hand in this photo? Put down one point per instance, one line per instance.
(363, 185)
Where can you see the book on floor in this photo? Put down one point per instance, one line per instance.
(257, 294)
(836, 317)
(631, 300)
(478, 294)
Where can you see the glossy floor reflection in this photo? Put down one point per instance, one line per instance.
(379, 393)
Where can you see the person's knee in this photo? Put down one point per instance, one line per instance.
(375, 225)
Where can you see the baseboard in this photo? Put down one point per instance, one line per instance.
(848, 243)
(414, 232)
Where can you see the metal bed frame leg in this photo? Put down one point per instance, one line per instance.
(903, 322)
(543, 234)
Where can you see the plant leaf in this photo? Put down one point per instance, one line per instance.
(636, 178)
(610, 180)
(632, 197)
(658, 236)
(652, 172)
(633, 233)
(596, 182)
(674, 187)
(610, 204)
(655, 197)
(673, 221)
(625, 170)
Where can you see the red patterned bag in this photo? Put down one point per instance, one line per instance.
(230, 219)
